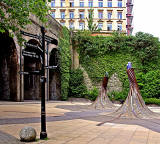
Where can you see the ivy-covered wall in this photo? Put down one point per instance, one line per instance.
(100, 54)
(65, 62)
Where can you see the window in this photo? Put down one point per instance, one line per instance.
(62, 23)
(100, 3)
(119, 27)
(62, 3)
(81, 15)
(53, 3)
(109, 14)
(100, 26)
(119, 3)
(53, 14)
(71, 3)
(90, 3)
(81, 25)
(109, 26)
(71, 15)
(62, 15)
(71, 25)
(100, 15)
(109, 3)
(81, 4)
(119, 15)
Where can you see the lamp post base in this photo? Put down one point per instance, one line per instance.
(43, 135)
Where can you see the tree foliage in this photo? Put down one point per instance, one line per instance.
(91, 25)
(14, 14)
(146, 47)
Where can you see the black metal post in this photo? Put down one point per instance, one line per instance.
(47, 71)
(43, 133)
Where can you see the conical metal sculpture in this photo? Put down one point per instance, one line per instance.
(134, 105)
(102, 101)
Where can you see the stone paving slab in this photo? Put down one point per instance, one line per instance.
(65, 126)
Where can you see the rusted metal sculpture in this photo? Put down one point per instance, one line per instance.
(134, 105)
(102, 101)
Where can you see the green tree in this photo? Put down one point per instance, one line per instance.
(91, 26)
(14, 14)
(146, 47)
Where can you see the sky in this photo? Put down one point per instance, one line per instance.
(147, 17)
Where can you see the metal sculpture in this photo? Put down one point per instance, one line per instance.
(134, 105)
(102, 101)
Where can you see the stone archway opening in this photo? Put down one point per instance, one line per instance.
(8, 68)
(54, 77)
(32, 85)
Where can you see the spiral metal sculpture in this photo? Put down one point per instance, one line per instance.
(134, 105)
(102, 101)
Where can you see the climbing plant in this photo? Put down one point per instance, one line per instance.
(65, 62)
(99, 54)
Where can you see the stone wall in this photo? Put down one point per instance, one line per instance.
(87, 80)
(114, 84)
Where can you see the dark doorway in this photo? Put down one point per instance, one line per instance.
(8, 68)
(54, 77)
(32, 85)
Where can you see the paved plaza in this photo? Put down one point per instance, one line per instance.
(69, 124)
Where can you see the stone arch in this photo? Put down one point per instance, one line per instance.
(32, 85)
(54, 77)
(8, 68)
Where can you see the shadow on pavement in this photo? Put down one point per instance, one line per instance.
(91, 115)
(8, 139)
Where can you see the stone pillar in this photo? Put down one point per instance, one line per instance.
(75, 59)
(20, 84)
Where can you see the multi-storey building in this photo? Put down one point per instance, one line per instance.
(108, 15)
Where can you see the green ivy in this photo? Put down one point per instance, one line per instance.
(65, 62)
(99, 54)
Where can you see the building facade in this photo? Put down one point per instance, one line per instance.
(108, 15)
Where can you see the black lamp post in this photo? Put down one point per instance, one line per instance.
(43, 133)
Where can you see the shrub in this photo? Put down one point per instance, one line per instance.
(77, 87)
(92, 94)
(118, 96)
(149, 84)
(152, 101)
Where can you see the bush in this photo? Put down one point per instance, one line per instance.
(149, 84)
(92, 94)
(118, 96)
(77, 87)
(152, 101)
